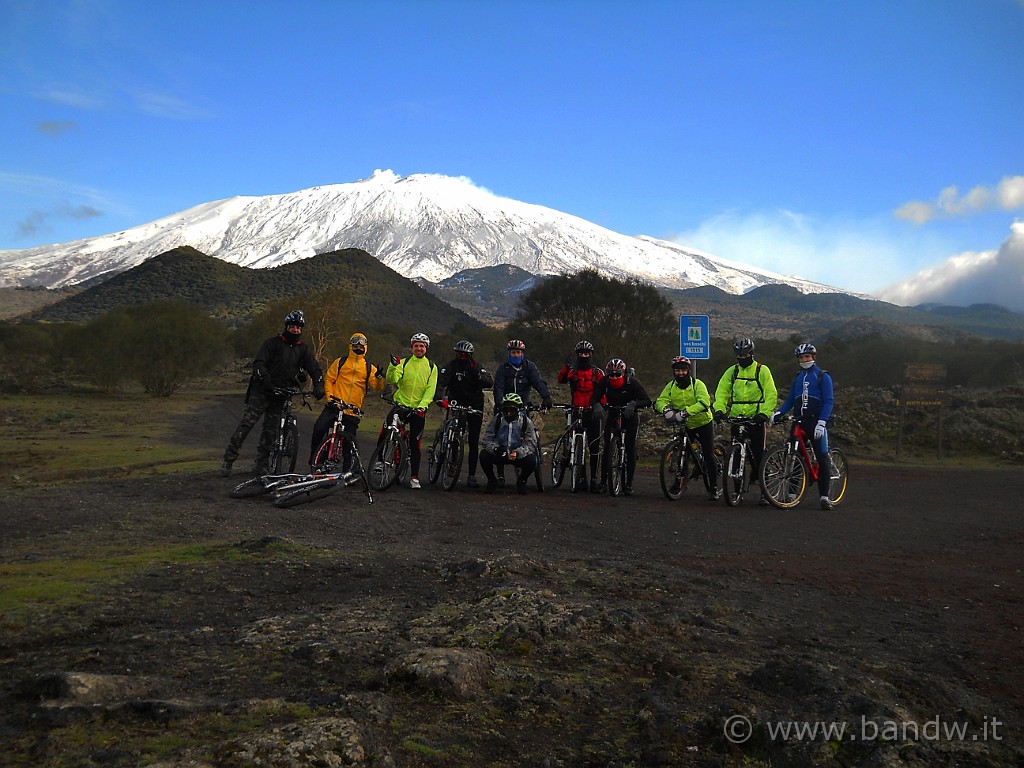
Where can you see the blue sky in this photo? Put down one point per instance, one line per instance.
(854, 143)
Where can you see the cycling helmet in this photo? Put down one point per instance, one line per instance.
(743, 347)
(516, 344)
(464, 346)
(420, 337)
(680, 362)
(295, 317)
(616, 367)
(805, 349)
(584, 346)
(357, 340)
(511, 400)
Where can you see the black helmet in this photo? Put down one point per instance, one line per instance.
(805, 349)
(295, 317)
(743, 347)
(584, 346)
(465, 346)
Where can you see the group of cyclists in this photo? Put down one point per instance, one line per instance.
(746, 390)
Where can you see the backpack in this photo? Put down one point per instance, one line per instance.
(341, 362)
(756, 379)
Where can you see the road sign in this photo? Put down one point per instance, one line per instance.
(695, 336)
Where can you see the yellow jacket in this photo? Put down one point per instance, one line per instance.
(348, 378)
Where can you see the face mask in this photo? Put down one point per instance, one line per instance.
(683, 380)
(743, 362)
(809, 364)
(510, 416)
(616, 382)
(516, 359)
(358, 350)
(582, 363)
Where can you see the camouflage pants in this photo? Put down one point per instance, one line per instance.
(258, 405)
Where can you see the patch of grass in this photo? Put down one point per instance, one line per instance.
(58, 583)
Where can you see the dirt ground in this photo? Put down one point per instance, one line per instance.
(435, 628)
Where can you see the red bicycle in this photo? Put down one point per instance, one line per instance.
(790, 469)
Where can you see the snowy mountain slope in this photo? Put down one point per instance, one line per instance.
(427, 226)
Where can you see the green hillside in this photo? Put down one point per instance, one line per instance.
(380, 295)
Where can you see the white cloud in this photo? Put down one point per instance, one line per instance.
(855, 255)
(989, 277)
(1007, 195)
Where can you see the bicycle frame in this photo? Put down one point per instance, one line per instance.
(287, 425)
(735, 481)
(570, 451)
(444, 457)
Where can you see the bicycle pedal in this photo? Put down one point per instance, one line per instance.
(350, 478)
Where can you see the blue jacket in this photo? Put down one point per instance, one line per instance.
(810, 395)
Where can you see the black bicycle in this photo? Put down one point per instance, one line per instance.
(736, 478)
(285, 450)
(570, 450)
(616, 451)
(683, 460)
(444, 456)
(390, 459)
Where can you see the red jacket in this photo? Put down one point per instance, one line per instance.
(581, 383)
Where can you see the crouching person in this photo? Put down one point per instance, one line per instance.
(510, 438)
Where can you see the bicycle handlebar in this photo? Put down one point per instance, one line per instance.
(341, 405)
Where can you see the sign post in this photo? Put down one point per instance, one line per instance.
(695, 338)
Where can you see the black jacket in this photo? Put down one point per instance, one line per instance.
(519, 379)
(464, 381)
(278, 362)
(632, 391)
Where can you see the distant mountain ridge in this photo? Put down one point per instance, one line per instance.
(422, 226)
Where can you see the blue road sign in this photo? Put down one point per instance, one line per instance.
(695, 336)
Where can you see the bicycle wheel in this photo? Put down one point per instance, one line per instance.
(308, 493)
(559, 461)
(674, 469)
(329, 454)
(616, 467)
(283, 462)
(252, 487)
(840, 475)
(385, 463)
(733, 481)
(578, 467)
(452, 465)
(783, 478)
(434, 458)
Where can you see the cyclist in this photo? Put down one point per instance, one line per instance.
(277, 365)
(619, 389)
(348, 379)
(812, 396)
(464, 381)
(510, 438)
(582, 378)
(686, 399)
(519, 376)
(416, 378)
(747, 390)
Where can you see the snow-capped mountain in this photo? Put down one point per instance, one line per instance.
(425, 226)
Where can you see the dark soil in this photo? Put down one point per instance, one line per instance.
(461, 629)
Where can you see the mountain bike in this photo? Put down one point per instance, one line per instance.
(789, 470)
(285, 449)
(616, 451)
(389, 461)
(444, 456)
(682, 460)
(735, 479)
(328, 473)
(570, 450)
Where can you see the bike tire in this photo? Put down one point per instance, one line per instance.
(578, 468)
(733, 481)
(616, 467)
(434, 458)
(452, 465)
(254, 486)
(309, 493)
(840, 475)
(284, 462)
(784, 478)
(383, 469)
(559, 461)
(673, 472)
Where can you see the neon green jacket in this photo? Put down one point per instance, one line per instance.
(416, 378)
(694, 399)
(746, 391)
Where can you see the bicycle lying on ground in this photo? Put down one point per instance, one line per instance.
(444, 456)
(390, 459)
(327, 475)
(789, 470)
(570, 450)
(682, 460)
